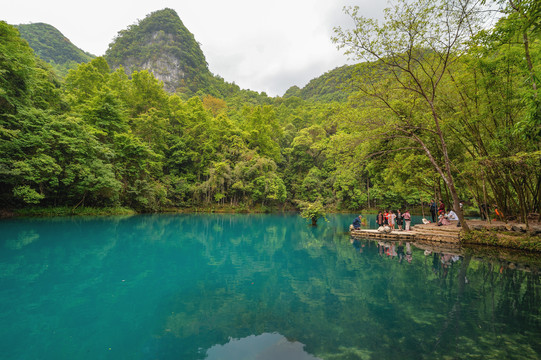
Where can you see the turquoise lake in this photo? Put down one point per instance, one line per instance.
(252, 287)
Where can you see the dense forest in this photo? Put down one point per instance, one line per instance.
(51, 46)
(438, 106)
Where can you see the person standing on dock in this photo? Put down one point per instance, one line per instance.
(392, 218)
(399, 219)
(407, 219)
(433, 210)
(379, 219)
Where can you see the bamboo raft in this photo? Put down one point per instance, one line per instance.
(449, 234)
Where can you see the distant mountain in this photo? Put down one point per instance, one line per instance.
(52, 46)
(331, 86)
(162, 44)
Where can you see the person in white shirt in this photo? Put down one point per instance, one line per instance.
(451, 215)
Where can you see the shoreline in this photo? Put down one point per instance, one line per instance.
(497, 234)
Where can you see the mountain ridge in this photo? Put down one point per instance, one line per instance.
(161, 44)
(53, 47)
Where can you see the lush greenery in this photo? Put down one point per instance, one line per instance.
(419, 119)
(161, 44)
(51, 46)
(510, 240)
(329, 87)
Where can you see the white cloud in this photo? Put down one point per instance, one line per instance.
(259, 45)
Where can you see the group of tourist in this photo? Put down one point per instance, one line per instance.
(443, 218)
(392, 218)
(388, 218)
(397, 220)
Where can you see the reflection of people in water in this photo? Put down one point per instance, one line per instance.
(408, 252)
(436, 263)
(446, 262)
(357, 245)
(441, 263)
(400, 252)
(391, 250)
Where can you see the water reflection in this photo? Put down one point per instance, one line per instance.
(266, 346)
(449, 253)
(174, 286)
(23, 239)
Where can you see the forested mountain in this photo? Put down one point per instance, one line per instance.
(53, 47)
(462, 122)
(334, 85)
(161, 44)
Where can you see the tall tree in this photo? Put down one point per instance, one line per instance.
(416, 46)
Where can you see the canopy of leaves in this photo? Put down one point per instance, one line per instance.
(354, 138)
(51, 45)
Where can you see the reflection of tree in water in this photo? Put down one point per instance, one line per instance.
(237, 276)
(24, 238)
(314, 286)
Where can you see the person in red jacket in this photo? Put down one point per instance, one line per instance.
(441, 208)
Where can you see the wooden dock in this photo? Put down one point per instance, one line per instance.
(432, 233)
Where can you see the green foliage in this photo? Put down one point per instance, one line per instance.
(27, 194)
(505, 240)
(17, 68)
(69, 211)
(162, 40)
(329, 87)
(312, 211)
(51, 46)
(355, 138)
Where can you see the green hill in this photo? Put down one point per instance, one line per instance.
(53, 47)
(331, 86)
(161, 44)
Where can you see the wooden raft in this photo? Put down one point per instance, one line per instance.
(421, 233)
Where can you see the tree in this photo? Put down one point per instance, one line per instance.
(17, 70)
(86, 81)
(416, 47)
(214, 105)
(312, 210)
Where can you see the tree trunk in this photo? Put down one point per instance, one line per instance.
(367, 192)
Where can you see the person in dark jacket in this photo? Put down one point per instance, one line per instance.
(433, 210)
(380, 219)
(399, 219)
(357, 222)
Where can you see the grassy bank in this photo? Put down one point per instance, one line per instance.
(210, 208)
(69, 211)
(503, 239)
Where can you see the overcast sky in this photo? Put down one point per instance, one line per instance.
(260, 45)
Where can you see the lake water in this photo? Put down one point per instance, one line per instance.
(252, 287)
